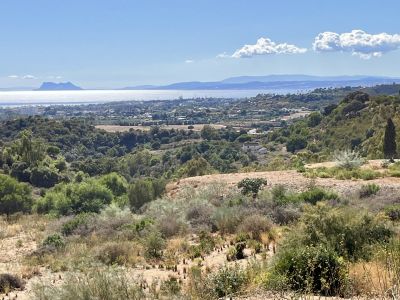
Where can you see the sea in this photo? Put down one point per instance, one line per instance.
(34, 98)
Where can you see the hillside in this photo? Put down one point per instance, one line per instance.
(356, 122)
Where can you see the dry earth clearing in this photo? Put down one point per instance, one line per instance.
(118, 128)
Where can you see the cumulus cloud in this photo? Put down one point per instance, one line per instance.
(357, 42)
(189, 61)
(265, 46)
(13, 76)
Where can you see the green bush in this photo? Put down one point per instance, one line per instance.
(14, 196)
(75, 198)
(77, 221)
(115, 183)
(227, 281)
(54, 241)
(143, 191)
(349, 233)
(44, 176)
(315, 195)
(369, 190)
(154, 244)
(312, 270)
(251, 186)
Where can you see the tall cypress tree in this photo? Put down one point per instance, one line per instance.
(389, 140)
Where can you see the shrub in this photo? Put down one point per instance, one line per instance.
(251, 186)
(44, 177)
(112, 253)
(14, 196)
(75, 198)
(393, 212)
(115, 183)
(95, 284)
(348, 159)
(312, 270)
(316, 194)
(236, 252)
(195, 167)
(285, 214)
(169, 225)
(199, 216)
(54, 241)
(10, 282)
(227, 219)
(349, 233)
(255, 225)
(369, 190)
(79, 220)
(227, 281)
(170, 287)
(154, 244)
(143, 191)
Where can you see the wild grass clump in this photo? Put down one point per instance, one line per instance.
(107, 284)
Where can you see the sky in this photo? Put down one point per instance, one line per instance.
(118, 43)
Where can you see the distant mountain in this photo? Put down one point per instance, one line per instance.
(275, 82)
(62, 86)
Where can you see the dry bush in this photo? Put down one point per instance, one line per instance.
(169, 225)
(227, 219)
(199, 216)
(369, 279)
(120, 253)
(255, 225)
(27, 272)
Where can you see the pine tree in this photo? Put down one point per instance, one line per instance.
(389, 140)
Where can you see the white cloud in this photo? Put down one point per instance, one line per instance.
(223, 55)
(13, 76)
(54, 77)
(189, 61)
(265, 46)
(28, 77)
(357, 42)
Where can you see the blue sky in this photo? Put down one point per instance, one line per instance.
(116, 43)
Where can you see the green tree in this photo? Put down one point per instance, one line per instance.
(44, 176)
(115, 183)
(389, 140)
(14, 196)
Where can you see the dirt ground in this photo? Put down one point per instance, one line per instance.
(118, 128)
